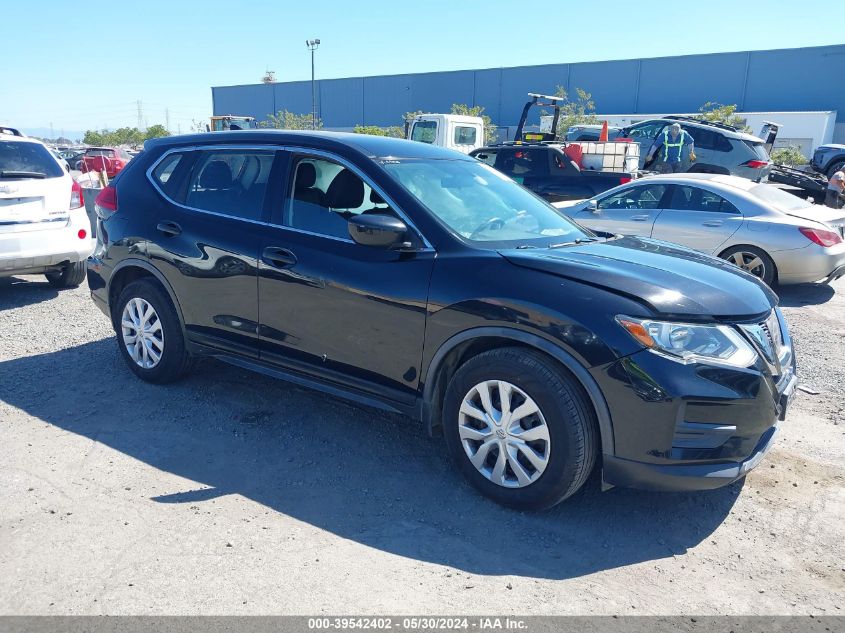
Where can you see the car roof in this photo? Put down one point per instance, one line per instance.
(371, 146)
(705, 125)
(19, 139)
(723, 180)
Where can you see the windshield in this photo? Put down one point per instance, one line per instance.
(480, 204)
(27, 160)
(778, 198)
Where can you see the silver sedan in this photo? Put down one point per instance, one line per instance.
(765, 230)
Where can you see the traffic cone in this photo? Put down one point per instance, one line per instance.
(603, 135)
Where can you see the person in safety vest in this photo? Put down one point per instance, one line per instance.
(674, 141)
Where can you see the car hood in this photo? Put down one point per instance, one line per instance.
(669, 279)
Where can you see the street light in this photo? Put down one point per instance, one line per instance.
(312, 46)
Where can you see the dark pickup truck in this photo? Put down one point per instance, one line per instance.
(547, 171)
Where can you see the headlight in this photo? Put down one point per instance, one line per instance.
(691, 342)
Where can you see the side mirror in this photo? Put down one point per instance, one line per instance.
(380, 231)
(592, 206)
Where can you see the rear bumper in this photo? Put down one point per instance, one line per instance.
(809, 264)
(42, 250)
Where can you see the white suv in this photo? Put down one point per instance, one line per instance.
(43, 225)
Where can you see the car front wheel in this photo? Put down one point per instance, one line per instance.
(520, 428)
(149, 334)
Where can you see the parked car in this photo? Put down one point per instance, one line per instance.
(419, 280)
(719, 148)
(770, 233)
(59, 158)
(828, 159)
(110, 159)
(546, 170)
(43, 225)
(72, 156)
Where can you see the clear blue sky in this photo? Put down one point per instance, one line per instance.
(81, 68)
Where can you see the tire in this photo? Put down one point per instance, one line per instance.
(835, 167)
(767, 274)
(571, 442)
(69, 277)
(163, 333)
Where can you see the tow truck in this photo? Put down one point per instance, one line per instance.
(547, 165)
(231, 122)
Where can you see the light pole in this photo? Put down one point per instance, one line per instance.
(312, 46)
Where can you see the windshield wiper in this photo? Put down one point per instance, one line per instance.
(526, 246)
(580, 240)
(22, 174)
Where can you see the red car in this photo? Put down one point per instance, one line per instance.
(110, 159)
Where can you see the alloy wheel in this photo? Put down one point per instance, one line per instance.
(504, 434)
(142, 333)
(749, 262)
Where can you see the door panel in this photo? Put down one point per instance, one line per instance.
(698, 219)
(330, 307)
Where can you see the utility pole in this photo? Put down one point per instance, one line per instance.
(52, 134)
(167, 118)
(312, 46)
(140, 115)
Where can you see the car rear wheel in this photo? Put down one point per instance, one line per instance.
(520, 428)
(70, 276)
(752, 260)
(149, 334)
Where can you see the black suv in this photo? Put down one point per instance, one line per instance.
(420, 280)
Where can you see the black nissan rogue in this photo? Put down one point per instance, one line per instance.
(419, 280)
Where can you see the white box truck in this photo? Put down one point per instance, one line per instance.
(455, 131)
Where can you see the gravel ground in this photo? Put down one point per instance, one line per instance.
(231, 493)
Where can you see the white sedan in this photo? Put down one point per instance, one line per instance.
(770, 233)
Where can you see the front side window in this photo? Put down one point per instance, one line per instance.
(27, 160)
(641, 197)
(424, 131)
(479, 204)
(232, 182)
(324, 195)
(465, 135)
(696, 199)
(521, 163)
(488, 157)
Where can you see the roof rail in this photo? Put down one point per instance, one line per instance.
(9, 130)
(692, 119)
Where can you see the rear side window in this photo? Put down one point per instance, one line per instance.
(695, 199)
(231, 182)
(21, 160)
(758, 149)
(465, 135)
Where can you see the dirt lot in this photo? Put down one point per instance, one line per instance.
(231, 493)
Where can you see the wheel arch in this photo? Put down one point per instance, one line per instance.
(130, 270)
(741, 245)
(464, 345)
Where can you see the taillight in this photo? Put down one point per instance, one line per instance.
(624, 180)
(756, 164)
(821, 237)
(76, 199)
(105, 204)
(82, 234)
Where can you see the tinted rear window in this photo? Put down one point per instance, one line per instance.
(108, 153)
(759, 149)
(28, 157)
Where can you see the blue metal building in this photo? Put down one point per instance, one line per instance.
(800, 79)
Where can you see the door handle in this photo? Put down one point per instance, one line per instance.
(278, 257)
(713, 223)
(170, 229)
(640, 218)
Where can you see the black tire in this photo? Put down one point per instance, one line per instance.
(835, 167)
(68, 277)
(175, 360)
(769, 273)
(565, 407)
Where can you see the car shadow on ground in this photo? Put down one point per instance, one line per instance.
(373, 478)
(805, 295)
(16, 292)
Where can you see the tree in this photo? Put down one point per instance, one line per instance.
(581, 111)
(490, 133)
(156, 131)
(789, 155)
(393, 131)
(285, 120)
(718, 113)
(93, 137)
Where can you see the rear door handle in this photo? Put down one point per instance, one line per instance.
(278, 257)
(713, 223)
(170, 229)
(640, 218)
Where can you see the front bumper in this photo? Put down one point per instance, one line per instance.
(687, 477)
